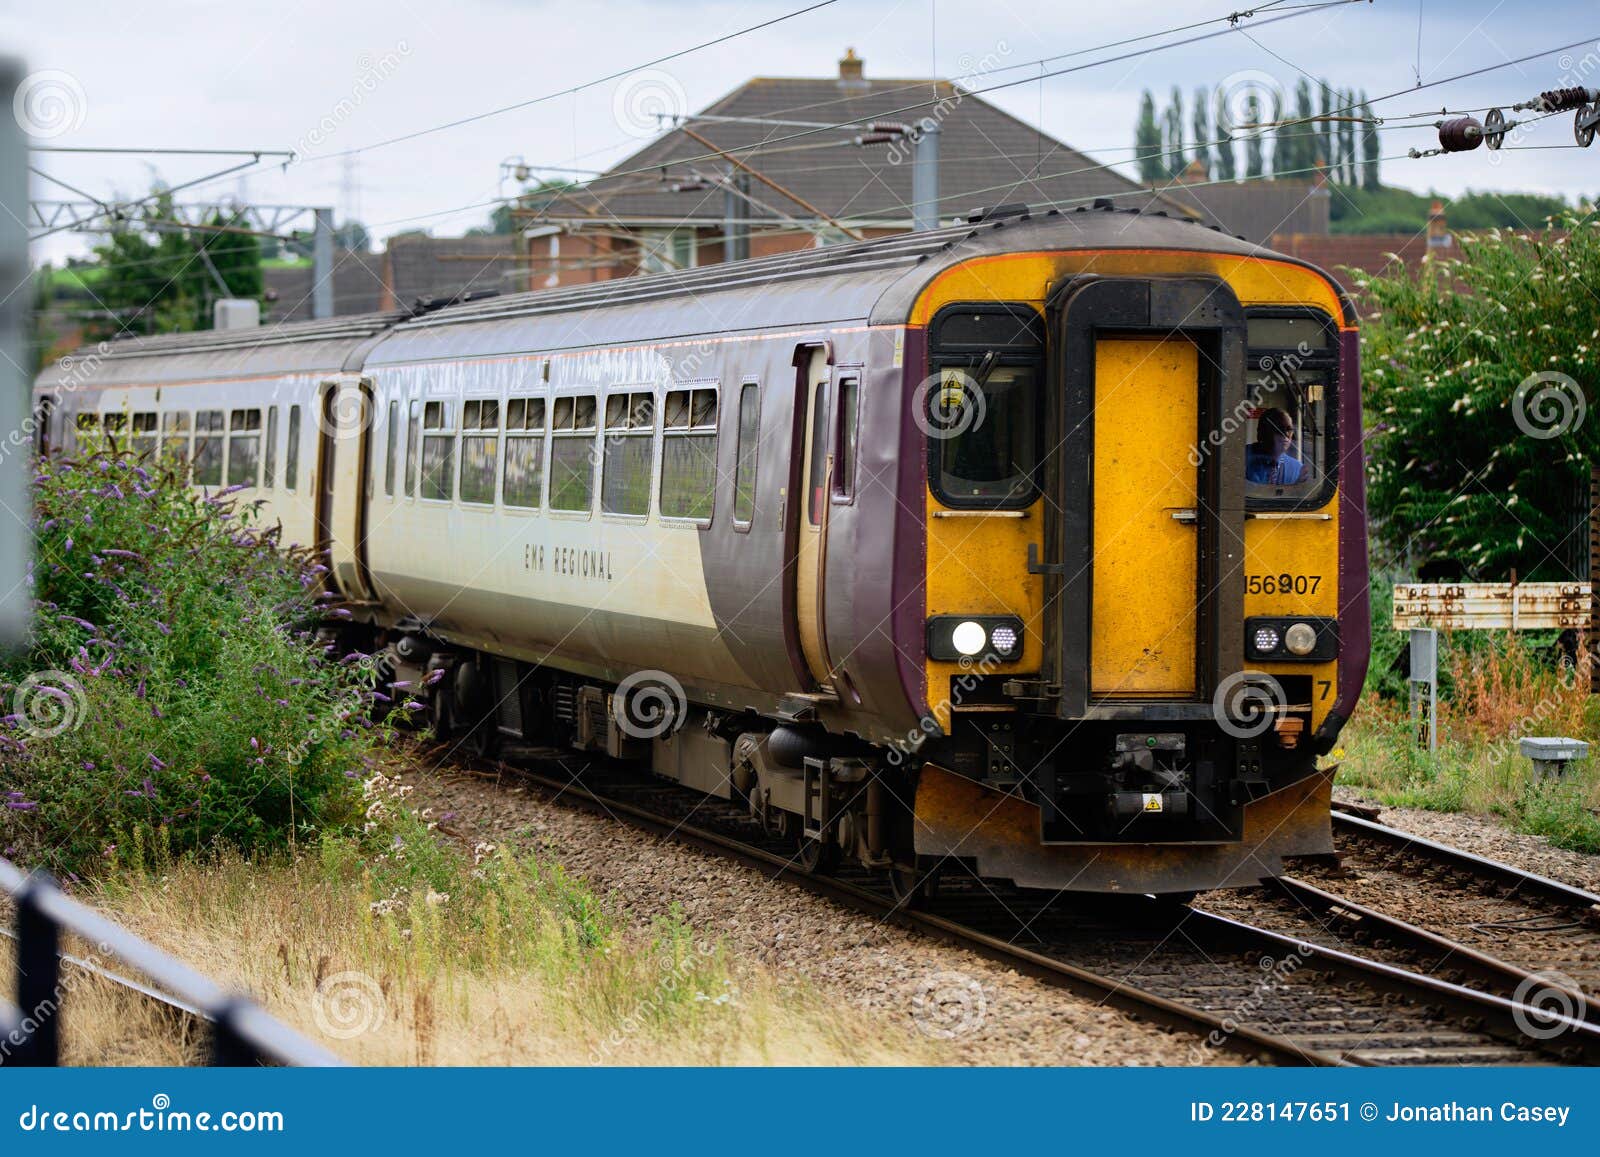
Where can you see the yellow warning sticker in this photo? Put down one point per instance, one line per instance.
(899, 348)
(1152, 801)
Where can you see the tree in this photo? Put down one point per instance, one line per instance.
(1253, 164)
(232, 259)
(1371, 149)
(1324, 130)
(1175, 160)
(1297, 149)
(1202, 130)
(1347, 137)
(352, 237)
(1475, 373)
(1226, 168)
(532, 199)
(1147, 141)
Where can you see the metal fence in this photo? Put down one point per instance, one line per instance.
(30, 1032)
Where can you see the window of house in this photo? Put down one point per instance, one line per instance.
(413, 446)
(269, 452)
(244, 447)
(175, 435)
(689, 454)
(393, 442)
(209, 430)
(438, 451)
(629, 453)
(480, 449)
(744, 480)
(145, 439)
(572, 431)
(524, 452)
(291, 455)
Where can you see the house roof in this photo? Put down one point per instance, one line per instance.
(1258, 210)
(986, 157)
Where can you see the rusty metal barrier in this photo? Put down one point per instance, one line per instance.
(30, 1031)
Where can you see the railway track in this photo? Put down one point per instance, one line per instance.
(1303, 997)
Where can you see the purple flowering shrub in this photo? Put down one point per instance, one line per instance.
(176, 692)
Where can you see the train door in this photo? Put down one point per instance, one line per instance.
(810, 513)
(344, 450)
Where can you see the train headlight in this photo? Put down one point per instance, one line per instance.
(959, 638)
(1300, 639)
(1266, 640)
(969, 637)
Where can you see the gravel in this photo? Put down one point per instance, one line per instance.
(1488, 837)
(887, 972)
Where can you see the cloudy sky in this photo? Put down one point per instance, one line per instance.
(321, 77)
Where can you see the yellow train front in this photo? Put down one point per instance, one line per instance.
(1146, 584)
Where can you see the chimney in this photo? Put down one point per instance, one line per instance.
(1438, 232)
(850, 68)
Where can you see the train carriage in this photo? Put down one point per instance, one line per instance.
(1032, 547)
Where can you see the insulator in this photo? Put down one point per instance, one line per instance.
(894, 127)
(1562, 99)
(876, 138)
(1461, 135)
(1494, 128)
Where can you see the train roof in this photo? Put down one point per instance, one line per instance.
(874, 282)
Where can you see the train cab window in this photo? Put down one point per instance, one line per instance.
(1289, 385)
(208, 435)
(143, 441)
(480, 449)
(244, 447)
(744, 477)
(291, 453)
(629, 453)
(524, 470)
(413, 446)
(572, 431)
(689, 454)
(984, 410)
(844, 460)
(269, 451)
(392, 436)
(438, 451)
(175, 435)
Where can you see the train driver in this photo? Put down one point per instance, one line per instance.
(1269, 459)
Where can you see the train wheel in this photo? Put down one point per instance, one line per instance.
(818, 857)
(914, 887)
(484, 739)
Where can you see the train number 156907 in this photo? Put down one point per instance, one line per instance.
(1282, 584)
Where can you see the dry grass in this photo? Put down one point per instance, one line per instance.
(1499, 691)
(521, 965)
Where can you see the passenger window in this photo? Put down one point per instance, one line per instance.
(524, 452)
(818, 465)
(689, 454)
(175, 436)
(208, 435)
(392, 434)
(244, 447)
(144, 434)
(115, 425)
(480, 449)
(291, 455)
(744, 482)
(438, 451)
(413, 444)
(844, 462)
(629, 453)
(86, 433)
(269, 454)
(572, 431)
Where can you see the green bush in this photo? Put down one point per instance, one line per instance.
(176, 691)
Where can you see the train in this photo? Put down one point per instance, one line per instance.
(1030, 549)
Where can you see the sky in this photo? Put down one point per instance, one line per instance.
(321, 77)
